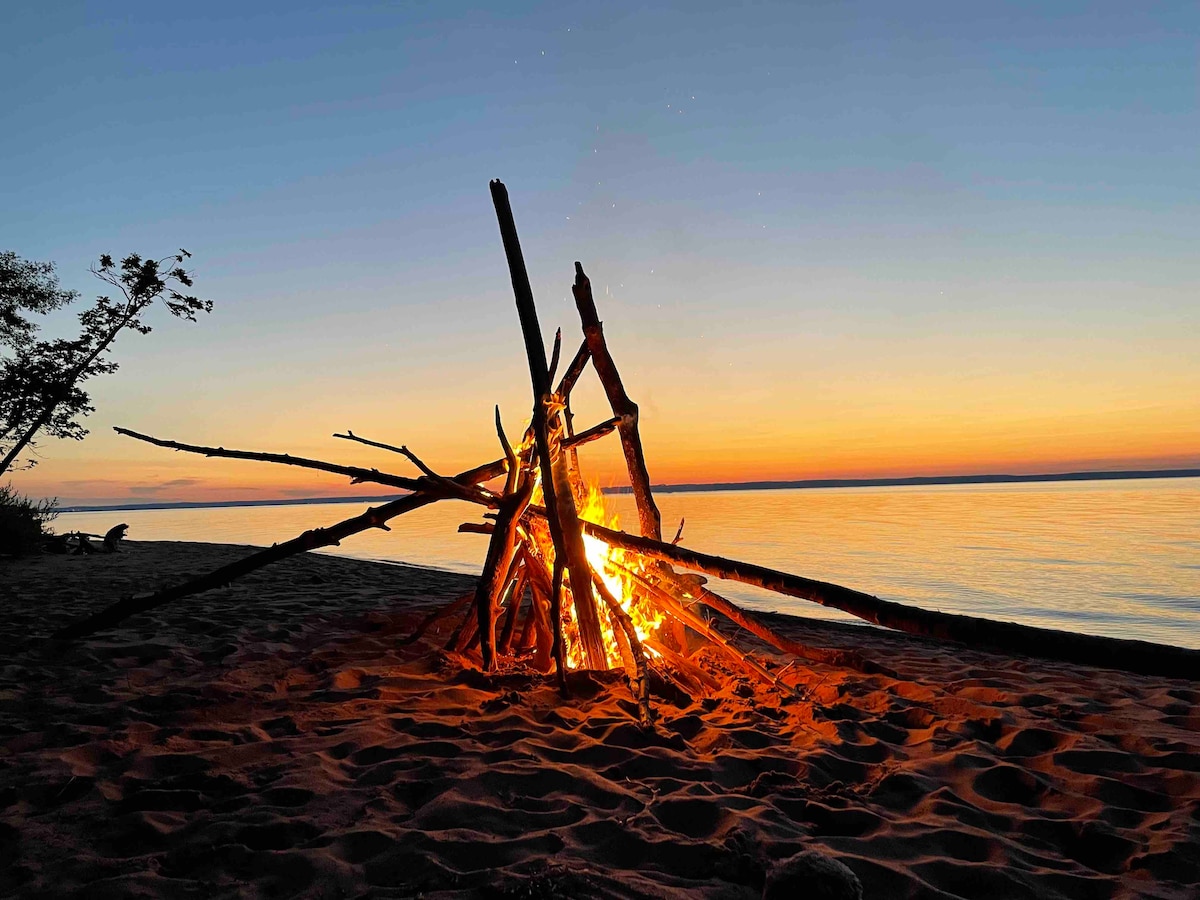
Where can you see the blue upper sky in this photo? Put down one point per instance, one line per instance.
(755, 170)
(287, 120)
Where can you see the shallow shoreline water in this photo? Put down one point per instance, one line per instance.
(1117, 559)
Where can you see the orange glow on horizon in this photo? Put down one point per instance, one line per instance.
(176, 477)
(758, 423)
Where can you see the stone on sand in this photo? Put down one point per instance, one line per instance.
(812, 876)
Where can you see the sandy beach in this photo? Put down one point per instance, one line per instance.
(276, 739)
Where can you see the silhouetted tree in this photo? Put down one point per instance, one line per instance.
(41, 382)
(26, 286)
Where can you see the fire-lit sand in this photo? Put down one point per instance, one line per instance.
(278, 738)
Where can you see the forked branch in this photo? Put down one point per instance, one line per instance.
(437, 485)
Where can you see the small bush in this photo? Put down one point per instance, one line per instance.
(23, 522)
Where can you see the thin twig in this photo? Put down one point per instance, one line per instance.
(510, 457)
(678, 534)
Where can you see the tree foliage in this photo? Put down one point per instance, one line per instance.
(26, 287)
(42, 381)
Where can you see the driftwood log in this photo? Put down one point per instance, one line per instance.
(376, 517)
(1142, 657)
(641, 686)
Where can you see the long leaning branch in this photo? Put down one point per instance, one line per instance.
(623, 408)
(376, 517)
(1141, 657)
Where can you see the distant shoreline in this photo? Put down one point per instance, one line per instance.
(917, 480)
(913, 481)
(215, 504)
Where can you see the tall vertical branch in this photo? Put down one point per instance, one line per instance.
(565, 530)
(631, 442)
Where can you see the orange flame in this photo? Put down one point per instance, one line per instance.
(614, 566)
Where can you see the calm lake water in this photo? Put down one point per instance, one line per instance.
(1117, 558)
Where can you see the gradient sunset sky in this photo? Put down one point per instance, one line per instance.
(827, 239)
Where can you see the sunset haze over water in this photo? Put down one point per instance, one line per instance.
(827, 240)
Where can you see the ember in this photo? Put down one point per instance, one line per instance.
(562, 588)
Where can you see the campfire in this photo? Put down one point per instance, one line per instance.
(563, 589)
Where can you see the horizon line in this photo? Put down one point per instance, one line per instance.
(914, 480)
(800, 484)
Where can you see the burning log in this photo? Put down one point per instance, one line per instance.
(679, 611)
(844, 659)
(516, 595)
(626, 414)
(1141, 657)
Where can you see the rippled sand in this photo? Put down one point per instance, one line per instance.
(275, 739)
